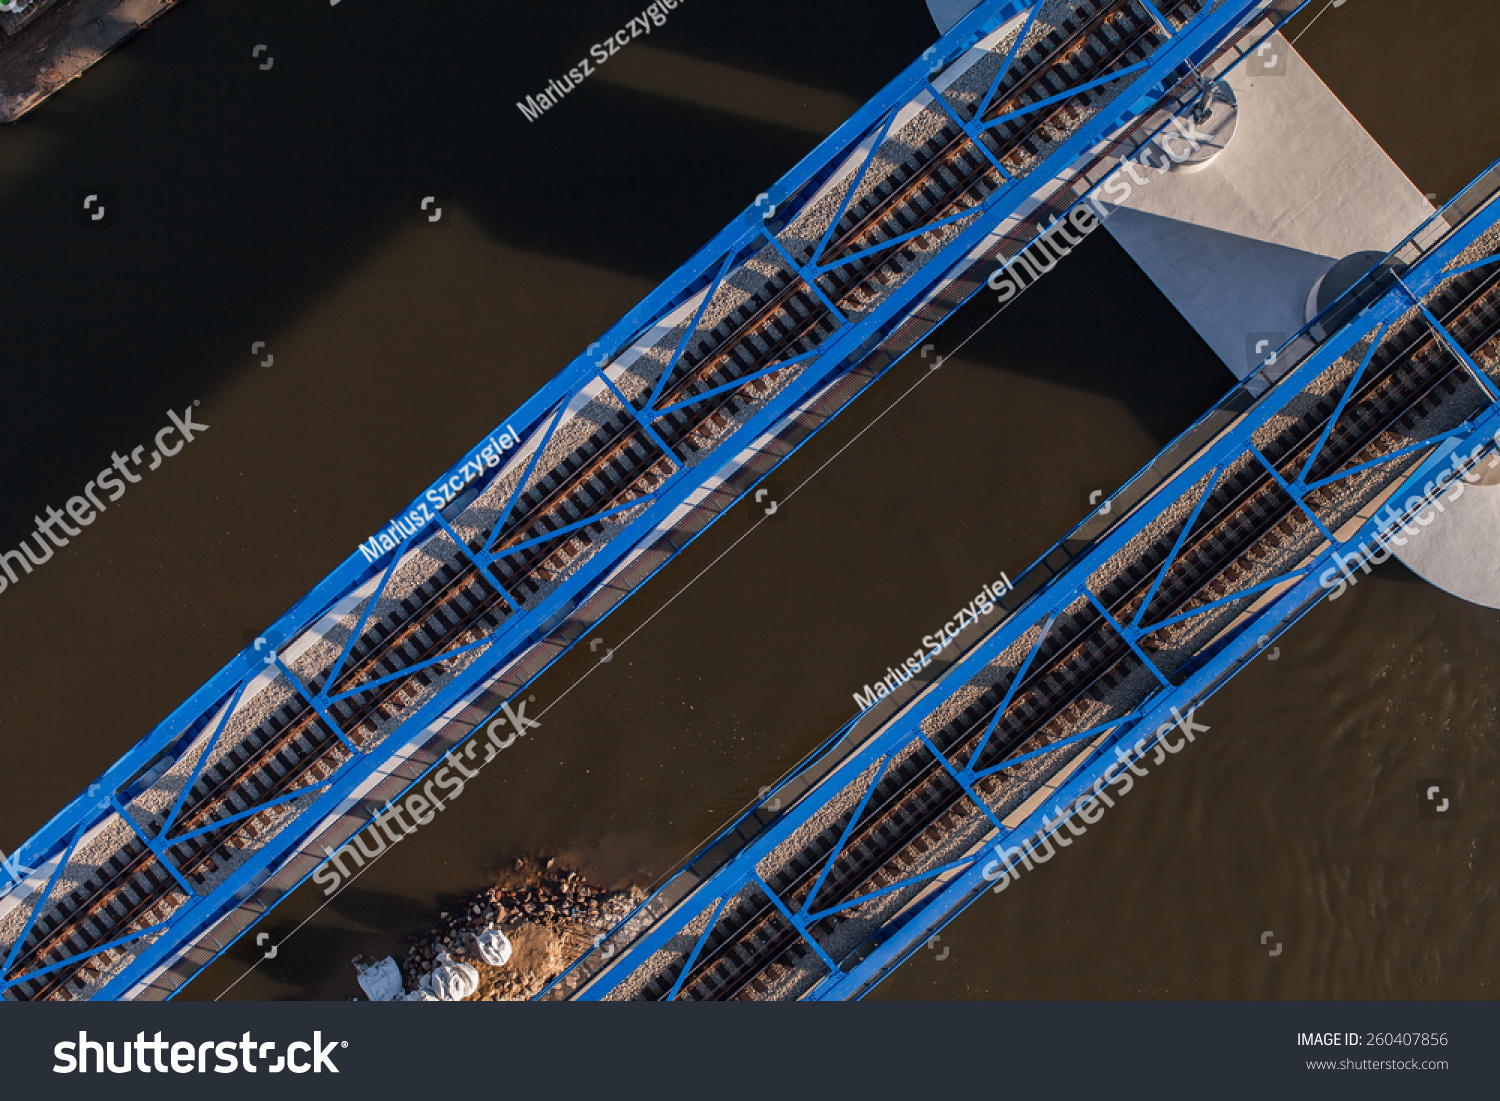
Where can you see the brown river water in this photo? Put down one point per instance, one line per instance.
(276, 205)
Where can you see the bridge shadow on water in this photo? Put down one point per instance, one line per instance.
(388, 914)
(1097, 323)
(317, 956)
(237, 195)
(247, 203)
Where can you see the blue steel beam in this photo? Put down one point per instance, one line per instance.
(158, 850)
(1010, 693)
(972, 132)
(1338, 410)
(1097, 82)
(1071, 739)
(1452, 345)
(1301, 589)
(1010, 59)
(854, 186)
(203, 757)
(687, 334)
(841, 351)
(1161, 575)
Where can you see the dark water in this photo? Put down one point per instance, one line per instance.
(276, 206)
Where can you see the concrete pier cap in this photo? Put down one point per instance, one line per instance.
(1458, 553)
(1292, 215)
(1301, 189)
(1212, 123)
(1301, 207)
(1336, 280)
(945, 13)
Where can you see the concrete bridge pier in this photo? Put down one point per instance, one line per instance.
(945, 13)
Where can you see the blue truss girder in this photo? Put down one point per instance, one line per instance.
(158, 850)
(848, 831)
(1161, 575)
(1298, 498)
(1392, 456)
(687, 335)
(515, 495)
(724, 388)
(1053, 747)
(964, 781)
(249, 812)
(414, 667)
(809, 279)
(1303, 588)
(970, 131)
(317, 702)
(1010, 693)
(1248, 590)
(97, 949)
(1245, 645)
(802, 924)
(203, 758)
(1129, 635)
(36, 911)
(1010, 59)
(687, 967)
(1300, 589)
(1344, 399)
(1069, 93)
(854, 185)
(891, 888)
(481, 561)
(643, 419)
(937, 911)
(1465, 268)
(895, 242)
(1156, 15)
(841, 350)
(1446, 339)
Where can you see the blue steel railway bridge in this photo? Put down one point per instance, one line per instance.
(417, 643)
(1363, 425)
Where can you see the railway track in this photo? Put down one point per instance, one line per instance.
(1247, 521)
(461, 604)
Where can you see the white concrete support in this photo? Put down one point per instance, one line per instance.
(945, 13)
(1460, 552)
(1237, 245)
(1240, 245)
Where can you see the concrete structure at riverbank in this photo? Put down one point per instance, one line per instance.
(44, 51)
